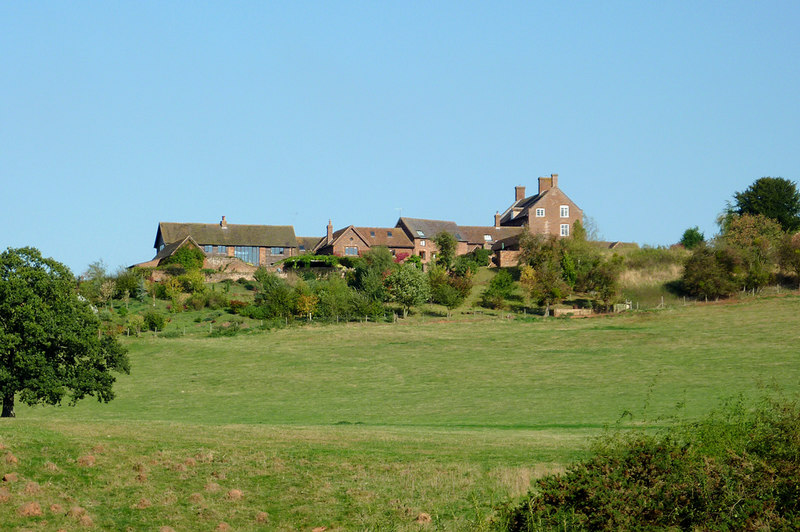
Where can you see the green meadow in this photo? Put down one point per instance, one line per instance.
(423, 424)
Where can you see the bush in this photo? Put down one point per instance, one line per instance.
(500, 288)
(193, 282)
(651, 258)
(692, 238)
(215, 300)
(189, 257)
(711, 273)
(731, 471)
(154, 320)
(196, 302)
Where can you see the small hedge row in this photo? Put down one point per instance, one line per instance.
(735, 471)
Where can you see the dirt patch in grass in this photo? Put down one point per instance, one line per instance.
(10, 458)
(234, 495)
(10, 477)
(87, 460)
(30, 509)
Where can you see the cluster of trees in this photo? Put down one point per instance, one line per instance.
(757, 242)
(552, 269)
(373, 280)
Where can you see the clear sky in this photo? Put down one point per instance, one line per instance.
(117, 115)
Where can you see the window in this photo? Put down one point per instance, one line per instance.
(564, 229)
(540, 213)
(372, 234)
(488, 238)
(276, 251)
(302, 247)
(351, 250)
(565, 211)
(422, 255)
(420, 233)
(222, 250)
(388, 233)
(247, 254)
(208, 249)
(422, 243)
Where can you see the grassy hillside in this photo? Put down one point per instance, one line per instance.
(364, 426)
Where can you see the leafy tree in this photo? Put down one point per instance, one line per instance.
(449, 289)
(604, 279)
(50, 345)
(773, 197)
(500, 288)
(756, 239)
(790, 254)
(692, 238)
(711, 273)
(276, 298)
(447, 249)
(578, 231)
(371, 271)
(545, 284)
(408, 286)
(188, 256)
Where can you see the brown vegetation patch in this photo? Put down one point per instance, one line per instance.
(32, 488)
(223, 526)
(86, 521)
(166, 529)
(262, 517)
(179, 467)
(10, 458)
(205, 457)
(319, 529)
(10, 477)
(87, 461)
(195, 498)
(143, 503)
(424, 518)
(141, 477)
(212, 487)
(50, 466)
(219, 474)
(5, 495)
(234, 495)
(99, 449)
(76, 511)
(31, 509)
(190, 462)
(56, 509)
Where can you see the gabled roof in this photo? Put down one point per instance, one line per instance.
(477, 234)
(308, 243)
(169, 249)
(391, 237)
(521, 205)
(420, 228)
(324, 244)
(229, 234)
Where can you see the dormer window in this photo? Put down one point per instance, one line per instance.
(540, 213)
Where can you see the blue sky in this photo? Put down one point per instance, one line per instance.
(117, 115)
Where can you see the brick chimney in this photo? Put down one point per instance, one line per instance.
(497, 219)
(545, 183)
(223, 223)
(330, 231)
(519, 193)
(554, 179)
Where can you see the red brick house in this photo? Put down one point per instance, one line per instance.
(550, 211)
(258, 245)
(354, 241)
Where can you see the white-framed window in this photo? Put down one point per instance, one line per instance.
(422, 243)
(565, 211)
(540, 213)
(564, 229)
(351, 251)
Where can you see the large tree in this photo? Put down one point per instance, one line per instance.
(408, 286)
(50, 346)
(773, 197)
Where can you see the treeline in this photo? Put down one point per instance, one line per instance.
(757, 245)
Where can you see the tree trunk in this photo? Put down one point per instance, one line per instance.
(8, 405)
(547, 310)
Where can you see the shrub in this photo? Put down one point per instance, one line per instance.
(731, 471)
(196, 302)
(189, 257)
(154, 320)
(500, 288)
(692, 238)
(711, 273)
(480, 256)
(236, 306)
(215, 300)
(193, 282)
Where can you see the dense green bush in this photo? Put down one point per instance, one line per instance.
(735, 470)
(711, 273)
(190, 257)
(500, 288)
(154, 320)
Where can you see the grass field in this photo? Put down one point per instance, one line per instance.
(374, 426)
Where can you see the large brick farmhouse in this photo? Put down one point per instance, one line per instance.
(549, 211)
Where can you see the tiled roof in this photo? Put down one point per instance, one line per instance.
(391, 237)
(308, 243)
(229, 235)
(477, 234)
(521, 205)
(420, 228)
